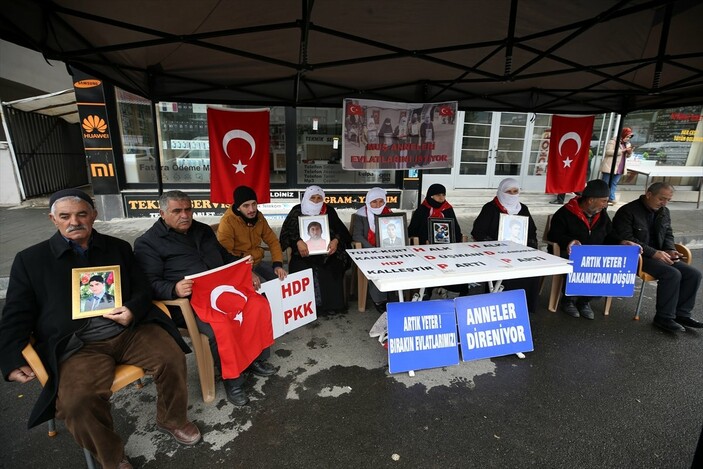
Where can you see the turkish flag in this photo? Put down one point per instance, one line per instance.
(354, 109)
(240, 317)
(239, 152)
(569, 144)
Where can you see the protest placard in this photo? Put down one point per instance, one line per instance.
(292, 301)
(421, 335)
(493, 325)
(603, 271)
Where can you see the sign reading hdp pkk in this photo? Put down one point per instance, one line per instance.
(493, 325)
(292, 301)
(603, 270)
(421, 335)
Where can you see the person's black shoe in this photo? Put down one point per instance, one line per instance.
(585, 310)
(689, 322)
(235, 394)
(380, 306)
(570, 308)
(262, 368)
(556, 202)
(669, 325)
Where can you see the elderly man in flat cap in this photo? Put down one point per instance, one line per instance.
(81, 354)
(583, 220)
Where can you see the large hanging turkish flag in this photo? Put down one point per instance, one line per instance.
(569, 145)
(239, 152)
(241, 318)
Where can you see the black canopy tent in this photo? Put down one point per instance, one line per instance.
(555, 56)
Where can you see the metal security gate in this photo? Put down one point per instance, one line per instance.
(48, 151)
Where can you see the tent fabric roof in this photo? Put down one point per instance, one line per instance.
(579, 56)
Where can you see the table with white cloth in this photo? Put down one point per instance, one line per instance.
(434, 265)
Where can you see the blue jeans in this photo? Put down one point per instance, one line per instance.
(614, 187)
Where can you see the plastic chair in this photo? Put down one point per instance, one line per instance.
(201, 346)
(645, 277)
(124, 375)
(558, 280)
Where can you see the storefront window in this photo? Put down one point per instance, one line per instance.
(319, 151)
(138, 142)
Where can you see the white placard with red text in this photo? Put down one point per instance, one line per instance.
(292, 301)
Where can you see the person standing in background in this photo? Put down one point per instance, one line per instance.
(624, 151)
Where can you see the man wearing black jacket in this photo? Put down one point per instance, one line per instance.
(583, 220)
(647, 222)
(80, 355)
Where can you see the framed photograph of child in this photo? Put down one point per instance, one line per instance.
(96, 291)
(391, 230)
(513, 228)
(315, 232)
(441, 231)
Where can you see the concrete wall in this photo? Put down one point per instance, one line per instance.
(9, 187)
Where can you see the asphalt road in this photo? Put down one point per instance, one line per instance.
(608, 393)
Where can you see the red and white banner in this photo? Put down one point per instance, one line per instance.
(569, 145)
(239, 152)
(292, 301)
(241, 318)
(397, 136)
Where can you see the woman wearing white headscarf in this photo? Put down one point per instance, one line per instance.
(364, 232)
(507, 200)
(328, 269)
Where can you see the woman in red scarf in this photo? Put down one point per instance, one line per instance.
(435, 205)
(364, 232)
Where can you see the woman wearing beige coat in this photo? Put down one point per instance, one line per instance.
(606, 166)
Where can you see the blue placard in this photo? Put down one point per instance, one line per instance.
(603, 270)
(493, 325)
(421, 335)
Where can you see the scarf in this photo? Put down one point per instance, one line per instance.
(573, 207)
(307, 207)
(436, 209)
(510, 202)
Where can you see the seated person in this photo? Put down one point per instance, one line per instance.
(583, 220)
(364, 232)
(241, 230)
(80, 355)
(176, 246)
(435, 205)
(507, 200)
(647, 222)
(328, 269)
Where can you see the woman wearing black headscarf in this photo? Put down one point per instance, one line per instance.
(435, 205)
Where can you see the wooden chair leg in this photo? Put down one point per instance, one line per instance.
(608, 302)
(555, 294)
(363, 289)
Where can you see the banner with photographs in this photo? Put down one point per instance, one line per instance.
(387, 135)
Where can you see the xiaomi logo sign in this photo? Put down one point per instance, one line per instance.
(102, 170)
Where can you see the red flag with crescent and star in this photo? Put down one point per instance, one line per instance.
(569, 145)
(239, 152)
(240, 317)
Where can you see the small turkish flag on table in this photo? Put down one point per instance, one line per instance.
(569, 145)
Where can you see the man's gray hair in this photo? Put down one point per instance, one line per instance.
(72, 198)
(172, 195)
(659, 186)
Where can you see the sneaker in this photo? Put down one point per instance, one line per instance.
(569, 307)
(585, 310)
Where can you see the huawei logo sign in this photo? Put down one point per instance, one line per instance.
(94, 124)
